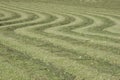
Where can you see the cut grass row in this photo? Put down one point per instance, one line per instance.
(68, 59)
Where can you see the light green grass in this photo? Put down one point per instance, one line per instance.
(59, 40)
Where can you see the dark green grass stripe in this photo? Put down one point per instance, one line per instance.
(99, 29)
(12, 28)
(111, 33)
(109, 23)
(1, 15)
(49, 16)
(31, 17)
(13, 16)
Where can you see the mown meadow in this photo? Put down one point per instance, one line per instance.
(60, 40)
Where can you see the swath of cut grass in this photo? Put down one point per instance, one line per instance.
(45, 42)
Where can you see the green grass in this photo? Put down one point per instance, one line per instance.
(109, 4)
(59, 40)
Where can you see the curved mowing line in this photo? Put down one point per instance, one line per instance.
(115, 19)
(75, 26)
(8, 15)
(43, 19)
(114, 29)
(24, 17)
(30, 20)
(99, 30)
(84, 34)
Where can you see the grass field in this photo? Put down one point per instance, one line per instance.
(60, 40)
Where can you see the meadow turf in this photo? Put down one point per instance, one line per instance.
(60, 40)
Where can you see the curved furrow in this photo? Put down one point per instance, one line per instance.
(98, 22)
(115, 28)
(99, 37)
(31, 20)
(25, 17)
(43, 18)
(112, 19)
(98, 30)
(8, 15)
(76, 22)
